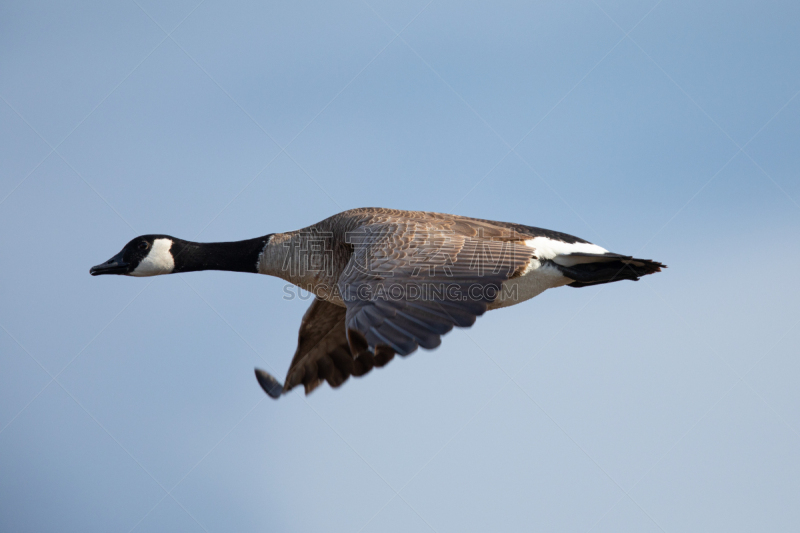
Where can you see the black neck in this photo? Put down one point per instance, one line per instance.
(238, 256)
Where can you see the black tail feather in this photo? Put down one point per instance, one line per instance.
(586, 274)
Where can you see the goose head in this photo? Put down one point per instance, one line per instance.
(146, 255)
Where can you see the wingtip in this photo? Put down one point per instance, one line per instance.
(271, 386)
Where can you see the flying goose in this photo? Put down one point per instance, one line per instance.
(387, 281)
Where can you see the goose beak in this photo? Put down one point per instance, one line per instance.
(115, 265)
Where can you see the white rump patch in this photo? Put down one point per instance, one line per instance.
(158, 261)
(559, 251)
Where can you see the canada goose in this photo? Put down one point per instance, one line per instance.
(388, 281)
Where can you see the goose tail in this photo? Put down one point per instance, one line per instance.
(595, 269)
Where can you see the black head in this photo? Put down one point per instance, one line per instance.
(146, 255)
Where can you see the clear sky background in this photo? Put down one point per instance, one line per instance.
(668, 130)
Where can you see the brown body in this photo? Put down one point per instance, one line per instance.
(467, 266)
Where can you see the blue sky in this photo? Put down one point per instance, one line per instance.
(667, 130)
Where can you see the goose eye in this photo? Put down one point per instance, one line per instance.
(144, 245)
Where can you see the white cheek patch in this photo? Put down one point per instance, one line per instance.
(158, 261)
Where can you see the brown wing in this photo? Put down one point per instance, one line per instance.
(322, 353)
(458, 263)
(409, 282)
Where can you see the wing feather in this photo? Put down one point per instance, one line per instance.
(408, 283)
(323, 353)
